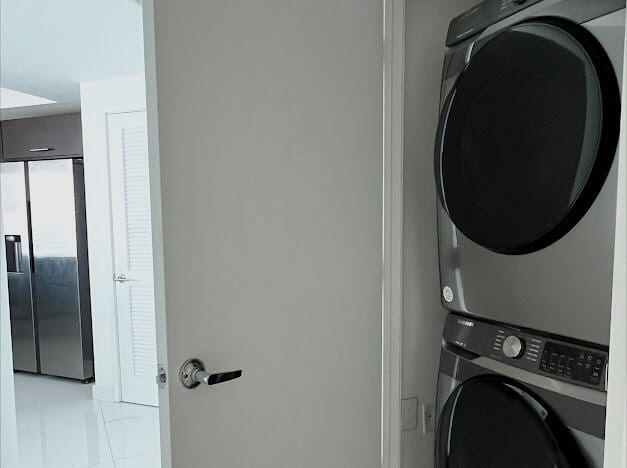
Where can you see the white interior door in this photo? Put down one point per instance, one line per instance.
(132, 242)
(270, 146)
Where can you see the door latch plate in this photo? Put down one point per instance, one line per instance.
(162, 376)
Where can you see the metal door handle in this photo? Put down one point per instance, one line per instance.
(13, 244)
(39, 150)
(193, 374)
(120, 278)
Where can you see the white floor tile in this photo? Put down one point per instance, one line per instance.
(115, 411)
(150, 460)
(59, 426)
(135, 436)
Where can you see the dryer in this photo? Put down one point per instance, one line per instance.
(526, 163)
(510, 397)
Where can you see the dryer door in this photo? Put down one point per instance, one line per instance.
(528, 135)
(494, 422)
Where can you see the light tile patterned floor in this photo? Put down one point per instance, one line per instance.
(61, 426)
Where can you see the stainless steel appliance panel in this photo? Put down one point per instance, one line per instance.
(471, 349)
(16, 242)
(565, 288)
(55, 268)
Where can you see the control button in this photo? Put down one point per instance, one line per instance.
(513, 347)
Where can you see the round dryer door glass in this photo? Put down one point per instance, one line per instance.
(492, 422)
(527, 135)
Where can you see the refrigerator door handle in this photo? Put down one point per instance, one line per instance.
(13, 245)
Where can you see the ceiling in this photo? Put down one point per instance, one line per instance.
(48, 47)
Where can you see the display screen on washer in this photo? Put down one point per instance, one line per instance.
(573, 363)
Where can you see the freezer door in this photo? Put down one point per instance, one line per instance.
(61, 321)
(16, 242)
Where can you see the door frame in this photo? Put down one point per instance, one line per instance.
(616, 422)
(99, 100)
(392, 312)
(154, 168)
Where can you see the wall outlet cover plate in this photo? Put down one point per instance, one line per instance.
(409, 413)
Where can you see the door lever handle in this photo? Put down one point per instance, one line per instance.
(193, 374)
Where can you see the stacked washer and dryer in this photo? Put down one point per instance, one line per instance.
(526, 172)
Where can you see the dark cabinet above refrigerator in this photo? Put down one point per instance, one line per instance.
(51, 137)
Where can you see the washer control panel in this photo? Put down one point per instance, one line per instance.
(513, 347)
(573, 363)
(503, 344)
(556, 358)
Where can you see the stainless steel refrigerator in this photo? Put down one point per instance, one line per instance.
(43, 209)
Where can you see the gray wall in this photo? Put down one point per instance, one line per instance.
(423, 317)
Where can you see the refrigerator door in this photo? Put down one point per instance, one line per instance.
(63, 325)
(17, 242)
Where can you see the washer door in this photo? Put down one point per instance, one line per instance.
(527, 135)
(494, 422)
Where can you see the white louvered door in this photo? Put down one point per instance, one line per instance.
(130, 207)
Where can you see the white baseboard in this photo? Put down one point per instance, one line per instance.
(104, 393)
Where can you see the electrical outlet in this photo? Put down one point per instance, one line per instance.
(409, 413)
(427, 413)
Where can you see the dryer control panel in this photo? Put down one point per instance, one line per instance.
(554, 357)
(489, 12)
(481, 16)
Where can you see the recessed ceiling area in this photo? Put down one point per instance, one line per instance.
(9, 98)
(47, 48)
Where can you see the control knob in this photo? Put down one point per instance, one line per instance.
(513, 347)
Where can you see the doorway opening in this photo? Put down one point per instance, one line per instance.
(76, 223)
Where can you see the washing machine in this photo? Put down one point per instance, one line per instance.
(526, 165)
(511, 397)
